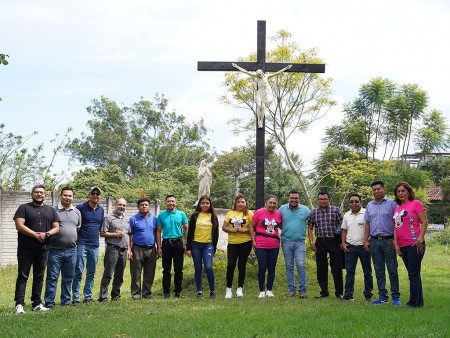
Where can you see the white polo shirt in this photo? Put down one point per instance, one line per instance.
(355, 226)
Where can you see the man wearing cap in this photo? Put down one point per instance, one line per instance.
(87, 245)
(36, 223)
(142, 250)
(115, 228)
(171, 223)
(62, 256)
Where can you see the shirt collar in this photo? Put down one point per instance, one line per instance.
(60, 206)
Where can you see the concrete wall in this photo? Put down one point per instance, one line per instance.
(10, 201)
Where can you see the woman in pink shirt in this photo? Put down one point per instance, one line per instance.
(264, 231)
(410, 218)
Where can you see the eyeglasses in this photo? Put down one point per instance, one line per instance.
(353, 201)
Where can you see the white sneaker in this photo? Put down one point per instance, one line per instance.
(40, 307)
(269, 294)
(239, 293)
(228, 294)
(262, 294)
(19, 309)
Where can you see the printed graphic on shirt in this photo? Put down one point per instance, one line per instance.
(237, 222)
(398, 218)
(270, 225)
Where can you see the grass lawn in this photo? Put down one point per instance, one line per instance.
(246, 317)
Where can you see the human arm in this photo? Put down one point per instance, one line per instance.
(423, 229)
(343, 240)
(23, 229)
(129, 252)
(311, 238)
(242, 70)
(158, 240)
(185, 228)
(251, 230)
(366, 236)
(280, 71)
(104, 231)
(226, 228)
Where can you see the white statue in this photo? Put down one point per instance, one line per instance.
(204, 179)
(262, 96)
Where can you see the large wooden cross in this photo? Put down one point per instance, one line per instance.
(265, 67)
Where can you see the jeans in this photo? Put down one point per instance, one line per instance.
(351, 259)
(383, 254)
(115, 262)
(172, 251)
(86, 254)
(413, 263)
(60, 261)
(144, 259)
(205, 252)
(25, 259)
(295, 251)
(267, 260)
(324, 247)
(237, 253)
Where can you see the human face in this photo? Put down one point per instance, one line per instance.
(144, 208)
(94, 196)
(204, 205)
(38, 196)
(354, 204)
(271, 204)
(171, 203)
(66, 198)
(120, 206)
(402, 193)
(293, 200)
(323, 200)
(378, 192)
(241, 204)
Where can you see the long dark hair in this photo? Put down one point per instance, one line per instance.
(236, 199)
(211, 207)
(411, 196)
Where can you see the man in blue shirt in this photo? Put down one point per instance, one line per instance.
(171, 223)
(87, 245)
(142, 250)
(295, 216)
(379, 237)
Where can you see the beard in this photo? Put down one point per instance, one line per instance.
(38, 202)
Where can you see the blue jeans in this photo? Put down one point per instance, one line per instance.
(413, 263)
(383, 254)
(295, 251)
(351, 259)
(86, 254)
(60, 261)
(205, 252)
(267, 260)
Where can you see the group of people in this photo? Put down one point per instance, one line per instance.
(65, 240)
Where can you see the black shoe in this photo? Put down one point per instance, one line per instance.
(368, 298)
(75, 302)
(322, 295)
(89, 300)
(49, 306)
(101, 300)
(199, 294)
(347, 298)
(166, 295)
(178, 295)
(115, 299)
(212, 295)
(340, 296)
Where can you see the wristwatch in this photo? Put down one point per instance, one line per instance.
(47, 235)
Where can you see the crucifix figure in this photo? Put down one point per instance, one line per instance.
(262, 96)
(260, 67)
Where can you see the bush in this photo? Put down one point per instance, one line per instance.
(440, 237)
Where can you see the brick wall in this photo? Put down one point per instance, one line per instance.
(10, 201)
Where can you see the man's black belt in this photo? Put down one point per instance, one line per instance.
(116, 246)
(172, 240)
(144, 246)
(382, 237)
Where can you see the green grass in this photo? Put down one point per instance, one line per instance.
(246, 317)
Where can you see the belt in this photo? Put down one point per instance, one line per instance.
(326, 238)
(382, 237)
(144, 246)
(172, 240)
(116, 246)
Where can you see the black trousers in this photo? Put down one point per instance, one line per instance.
(324, 248)
(172, 251)
(237, 253)
(27, 258)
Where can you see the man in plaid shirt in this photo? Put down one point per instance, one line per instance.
(326, 221)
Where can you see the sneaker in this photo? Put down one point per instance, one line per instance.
(166, 295)
(212, 295)
(347, 298)
(228, 294)
(89, 300)
(380, 301)
(40, 307)
(199, 294)
(19, 309)
(290, 294)
(270, 294)
(339, 296)
(239, 293)
(368, 298)
(303, 295)
(396, 301)
(50, 305)
(322, 295)
(75, 302)
(262, 294)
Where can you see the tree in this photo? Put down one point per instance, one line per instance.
(433, 135)
(439, 167)
(299, 99)
(3, 61)
(140, 139)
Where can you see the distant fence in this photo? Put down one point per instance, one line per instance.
(10, 201)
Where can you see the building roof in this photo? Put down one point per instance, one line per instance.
(434, 193)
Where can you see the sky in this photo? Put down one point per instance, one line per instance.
(63, 54)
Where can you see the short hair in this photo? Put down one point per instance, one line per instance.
(411, 196)
(272, 196)
(377, 183)
(143, 199)
(323, 193)
(121, 198)
(236, 199)
(293, 191)
(66, 188)
(355, 195)
(40, 186)
(168, 196)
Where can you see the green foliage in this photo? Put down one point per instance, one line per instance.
(439, 237)
(434, 133)
(445, 186)
(140, 139)
(439, 167)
